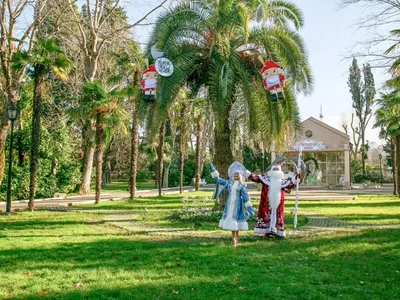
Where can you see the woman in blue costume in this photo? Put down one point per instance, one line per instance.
(238, 205)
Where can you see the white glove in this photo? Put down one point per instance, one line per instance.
(214, 174)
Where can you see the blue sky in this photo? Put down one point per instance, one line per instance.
(330, 35)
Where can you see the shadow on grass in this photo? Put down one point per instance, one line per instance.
(321, 204)
(370, 217)
(47, 225)
(326, 267)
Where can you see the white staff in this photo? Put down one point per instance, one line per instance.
(296, 202)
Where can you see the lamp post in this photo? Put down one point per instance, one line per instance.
(380, 167)
(12, 115)
(350, 153)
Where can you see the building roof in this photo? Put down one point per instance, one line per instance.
(334, 130)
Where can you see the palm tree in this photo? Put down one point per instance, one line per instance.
(388, 120)
(100, 104)
(222, 45)
(199, 111)
(46, 57)
(129, 64)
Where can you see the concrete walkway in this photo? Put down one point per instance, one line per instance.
(305, 193)
(87, 199)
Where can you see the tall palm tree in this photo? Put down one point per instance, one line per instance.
(222, 45)
(46, 57)
(129, 66)
(102, 105)
(388, 120)
(199, 111)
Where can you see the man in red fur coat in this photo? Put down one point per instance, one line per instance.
(270, 217)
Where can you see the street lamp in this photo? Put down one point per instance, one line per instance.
(350, 153)
(380, 167)
(12, 115)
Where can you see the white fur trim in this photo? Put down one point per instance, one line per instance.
(215, 174)
(261, 230)
(263, 179)
(280, 233)
(268, 230)
(248, 204)
(230, 224)
(248, 173)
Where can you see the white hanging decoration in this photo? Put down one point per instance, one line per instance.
(164, 67)
(156, 53)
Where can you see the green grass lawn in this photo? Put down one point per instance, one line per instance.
(77, 255)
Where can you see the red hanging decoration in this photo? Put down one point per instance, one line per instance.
(273, 79)
(149, 83)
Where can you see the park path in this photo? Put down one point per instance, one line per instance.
(305, 193)
(134, 222)
(88, 199)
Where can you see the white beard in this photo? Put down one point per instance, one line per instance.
(275, 187)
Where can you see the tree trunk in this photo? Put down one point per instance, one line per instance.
(223, 154)
(12, 97)
(88, 155)
(363, 150)
(165, 177)
(2, 164)
(161, 156)
(19, 145)
(99, 154)
(39, 85)
(134, 150)
(223, 157)
(393, 146)
(181, 164)
(198, 171)
(54, 164)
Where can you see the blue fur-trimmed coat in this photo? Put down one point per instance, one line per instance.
(243, 204)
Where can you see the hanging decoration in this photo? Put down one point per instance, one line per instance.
(155, 52)
(164, 67)
(273, 79)
(149, 83)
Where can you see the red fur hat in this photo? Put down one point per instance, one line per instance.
(269, 64)
(151, 68)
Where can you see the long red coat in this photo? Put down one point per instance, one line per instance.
(264, 211)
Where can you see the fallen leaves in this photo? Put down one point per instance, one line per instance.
(175, 292)
(42, 293)
(242, 288)
(361, 282)
(78, 285)
(234, 281)
(27, 273)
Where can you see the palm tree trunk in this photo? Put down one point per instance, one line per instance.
(393, 146)
(223, 154)
(88, 156)
(199, 133)
(166, 173)
(134, 150)
(181, 164)
(161, 156)
(2, 164)
(39, 83)
(99, 154)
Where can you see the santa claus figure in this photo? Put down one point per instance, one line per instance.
(273, 79)
(149, 83)
(270, 217)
